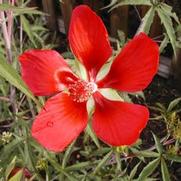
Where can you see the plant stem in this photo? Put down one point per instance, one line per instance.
(7, 41)
(10, 20)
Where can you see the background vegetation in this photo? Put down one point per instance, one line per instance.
(155, 156)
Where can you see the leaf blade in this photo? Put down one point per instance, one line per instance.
(164, 170)
(10, 74)
(147, 21)
(167, 23)
(148, 170)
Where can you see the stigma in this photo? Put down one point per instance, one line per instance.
(81, 91)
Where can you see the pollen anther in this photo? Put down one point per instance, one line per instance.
(80, 90)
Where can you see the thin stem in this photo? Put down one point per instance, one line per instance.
(137, 13)
(10, 20)
(6, 99)
(5, 35)
(21, 36)
(8, 51)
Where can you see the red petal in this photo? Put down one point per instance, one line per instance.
(89, 39)
(118, 123)
(39, 68)
(60, 122)
(134, 68)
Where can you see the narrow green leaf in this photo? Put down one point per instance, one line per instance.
(169, 11)
(131, 2)
(159, 147)
(57, 166)
(145, 153)
(69, 176)
(19, 10)
(151, 179)
(103, 161)
(174, 158)
(29, 155)
(147, 21)
(167, 23)
(8, 149)
(133, 171)
(123, 178)
(79, 166)
(173, 104)
(10, 168)
(118, 160)
(67, 154)
(27, 29)
(164, 170)
(10, 74)
(92, 135)
(148, 170)
(100, 151)
(164, 43)
(18, 176)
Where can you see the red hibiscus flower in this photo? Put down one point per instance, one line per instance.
(65, 115)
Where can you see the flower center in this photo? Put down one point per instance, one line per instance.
(80, 90)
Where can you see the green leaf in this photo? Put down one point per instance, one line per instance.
(67, 154)
(57, 166)
(148, 170)
(8, 149)
(133, 171)
(92, 135)
(167, 23)
(27, 29)
(100, 151)
(169, 11)
(69, 176)
(103, 161)
(118, 160)
(10, 74)
(164, 170)
(19, 10)
(10, 168)
(131, 2)
(18, 176)
(146, 153)
(147, 21)
(164, 43)
(159, 147)
(79, 166)
(173, 104)
(174, 158)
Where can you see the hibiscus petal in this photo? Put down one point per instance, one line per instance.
(89, 39)
(59, 122)
(39, 70)
(134, 68)
(118, 123)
